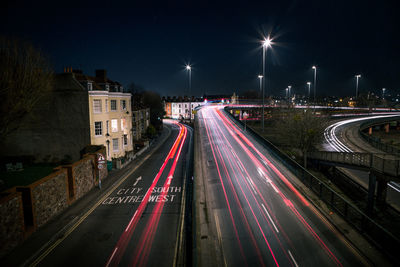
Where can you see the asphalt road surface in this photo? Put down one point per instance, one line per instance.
(138, 224)
(260, 218)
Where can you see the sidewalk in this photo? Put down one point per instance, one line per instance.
(55, 229)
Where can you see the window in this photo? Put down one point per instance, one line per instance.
(106, 105)
(107, 87)
(115, 144)
(113, 104)
(107, 126)
(123, 124)
(97, 105)
(114, 125)
(89, 86)
(123, 104)
(125, 138)
(98, 128)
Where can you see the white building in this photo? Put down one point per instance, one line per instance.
(183, 110)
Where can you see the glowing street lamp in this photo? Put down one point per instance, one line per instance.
(358, 76)
(309, 86)
(189, 69)
(260, 78)
(315, 81)
(383, 93)
(265, 44)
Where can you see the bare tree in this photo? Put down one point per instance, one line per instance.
(302, 129)
(25, 77)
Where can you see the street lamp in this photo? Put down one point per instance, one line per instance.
(260, 77)
(383, 93)
(189, 69)
(315, 81)
(290, 88)
(266, 43)
(358, 76)
(309, 86)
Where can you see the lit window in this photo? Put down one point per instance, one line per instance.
(115, 144)
(97, 105)
(123, 104)
(98, 128)
(123, 124)
(113, 104)
(114, 125)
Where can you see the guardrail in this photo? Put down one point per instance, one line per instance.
(382, 163)
(369, 228)
(375, 141)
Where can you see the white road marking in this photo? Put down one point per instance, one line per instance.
(251, 184)
(137, 180)
(112, 256)
(131, 221)
(291, 256)
(276, 229)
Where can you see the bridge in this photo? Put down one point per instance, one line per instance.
(382, 169)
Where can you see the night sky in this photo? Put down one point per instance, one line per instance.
(149, 44)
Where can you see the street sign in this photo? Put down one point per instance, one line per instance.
(101, 161)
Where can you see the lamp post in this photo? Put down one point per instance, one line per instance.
(383, 93)
(358, 76)
(266, 43)
(290, 89)
(315, 81)
(189, 69)
(260, 78)
(309, 86)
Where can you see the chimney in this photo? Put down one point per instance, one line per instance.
(101, 74)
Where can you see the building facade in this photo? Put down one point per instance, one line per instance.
(178, 108)
(110, 114)
(140, 122)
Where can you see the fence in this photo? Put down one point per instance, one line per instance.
(382, 163)
(375, 141)
(370, 229)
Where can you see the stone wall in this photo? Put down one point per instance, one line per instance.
(45, 205)
(83, 175)
(11, 221)
(34, 205)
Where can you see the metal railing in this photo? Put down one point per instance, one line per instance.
(375, 141)
(383, 163)
(369, 228)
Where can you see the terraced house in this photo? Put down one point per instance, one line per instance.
(110, 113)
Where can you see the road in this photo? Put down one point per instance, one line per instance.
(139, 222)
(343, 136)
(260, 218)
